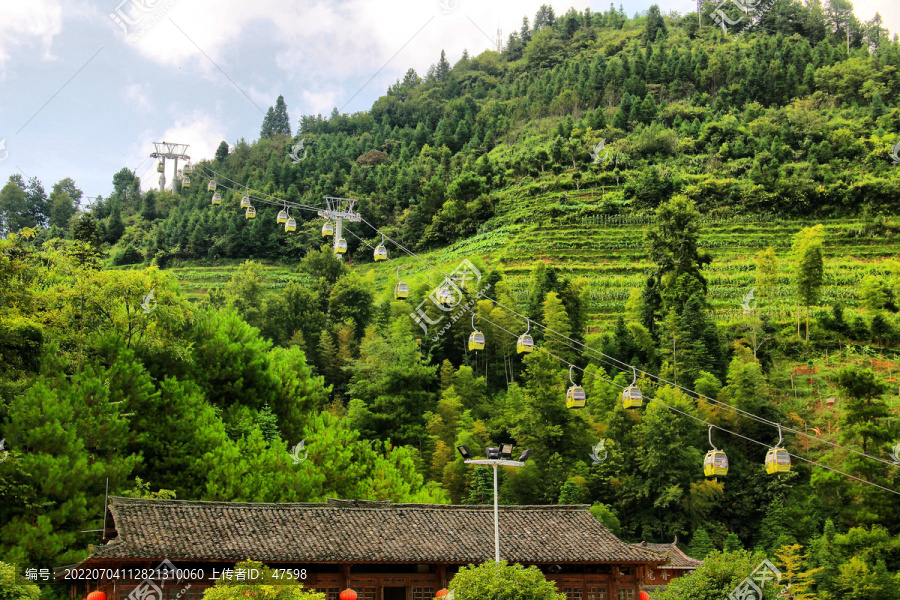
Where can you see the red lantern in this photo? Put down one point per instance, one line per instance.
(442, 592)
(645, 595)
(348, 594)
(96, 595)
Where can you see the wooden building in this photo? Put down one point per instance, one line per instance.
(678, 564)
(384, 551)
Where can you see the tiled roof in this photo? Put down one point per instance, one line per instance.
(350, 531)
(673, 554)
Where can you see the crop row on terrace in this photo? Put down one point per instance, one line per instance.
(611, 260)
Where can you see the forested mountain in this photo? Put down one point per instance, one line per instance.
(653, 123)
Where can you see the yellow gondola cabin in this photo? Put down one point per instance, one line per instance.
(401, 291)
(525, 344)
(715, 464)
(251, 213)
(777, 461)
(282, 217)
(290, 225)
(341, 246)
(575, 397)
(632, 397)
(476, 341)
(327, 229)
(216, 199)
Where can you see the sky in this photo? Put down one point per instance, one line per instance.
(87, 86)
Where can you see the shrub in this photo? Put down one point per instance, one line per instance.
(11, 589)
(720, 573)
(500, 581)
(267, 584)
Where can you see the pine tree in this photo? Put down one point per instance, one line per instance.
(267, 423)
(442, 70)
(115, 228)
(481, 490)
(14, 206)
(148, 207)
(865, 414)
(64, 199)
(808, 269)
(222, 151)
(557, 319)
(268, 125)
(38, 209)
(281, 122)
(733, 543)
(701, 544)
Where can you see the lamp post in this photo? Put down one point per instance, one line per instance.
(495, 457)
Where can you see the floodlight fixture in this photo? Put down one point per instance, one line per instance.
(525, 455)
(493, 453)
(506, 451)
(465, 452)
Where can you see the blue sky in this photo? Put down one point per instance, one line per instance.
(83, 94)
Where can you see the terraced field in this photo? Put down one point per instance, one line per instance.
(610, 258)
(196, 281)
(608, 255)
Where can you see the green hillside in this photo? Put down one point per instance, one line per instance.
(711, 218)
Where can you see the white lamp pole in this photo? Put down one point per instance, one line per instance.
(496, 462)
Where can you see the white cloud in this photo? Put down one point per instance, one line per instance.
(31, 21)
(325, 45)
(319, 103)
(136, 97)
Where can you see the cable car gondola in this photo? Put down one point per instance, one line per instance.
(327, 229)
(185, 182)
(251, 213)
(445, 296)
(715, 463)
(777, 459)
(632, 396)
(341, 246)
(211, 187)
(476, 338)
(161, 166)
(381, 251)
(245, 201)
(575, 396)
(525, 343)
(401, 290)
(290, 224)
(216, 199)
(188, 169)
(282, 217)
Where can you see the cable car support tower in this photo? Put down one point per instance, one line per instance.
(336, 210)
(167, 150)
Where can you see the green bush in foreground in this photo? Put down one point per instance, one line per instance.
(10, 589)
(267, 584)
(500, 581)
(720, 573)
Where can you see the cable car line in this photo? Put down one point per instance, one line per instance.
(651, 399)
(571, 343)
(219, 176)
(603, 356)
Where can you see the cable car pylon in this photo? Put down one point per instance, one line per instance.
(336, 210)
